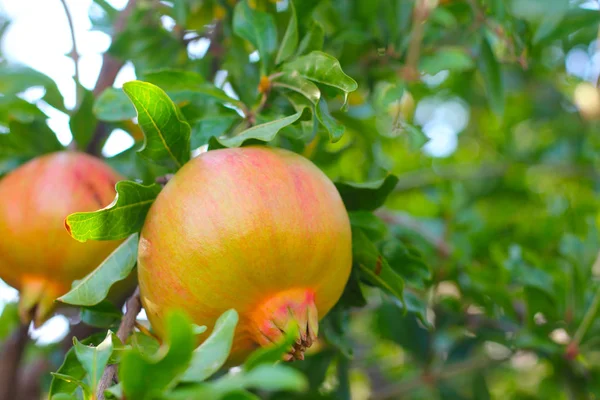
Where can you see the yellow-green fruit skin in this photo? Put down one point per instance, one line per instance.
(235, 227)
(37, 254)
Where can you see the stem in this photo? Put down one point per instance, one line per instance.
(588, 318)
(74, 54)
(10, 358)
(134, 307)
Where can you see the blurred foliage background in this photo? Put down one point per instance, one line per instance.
(486, 111)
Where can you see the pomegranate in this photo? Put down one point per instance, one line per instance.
(257, 229)
(37, 255)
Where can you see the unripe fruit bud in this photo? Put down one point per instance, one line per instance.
(37, 255)
(257, 229)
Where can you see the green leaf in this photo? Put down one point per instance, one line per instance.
(9, 320)
(415, 136)
(313, 40)
(83, 122)
(492, 77)
(148, 377)
(374, 268)
(210, 126)
(94, 359)
(263, 377)
(101, 315)
(574, 20)
(272, 354)
(123, 217)
(211, 91)
(70, 374)
(273, 378)
(167, 134)
(173, 79)
(369, 223)
(290, 38)
(322, 68)
(209, 357)
(15, 108)
(366, 196)
(258, 28)
(114, 392)
(335, 129)
(449, 58)
(113, 105)
(94, 287)
(263, 133)
(15, 79)
(28, 139)
(407, 262)
(293, 81)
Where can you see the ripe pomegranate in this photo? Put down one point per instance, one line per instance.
(257, 229)
(37, 255)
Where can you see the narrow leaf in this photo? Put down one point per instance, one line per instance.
(492, 77)
(94, 287)
(209, 357)
(293, 81)
(322, 68)
(83, 122)
(167, 134)
(113, 105)
(452, 59)
(263, 133)
(123, 217)
(313, 40)
(373, 267)
(148, 377)
(335, 129)
(94, 359)
(290, 38)
(173, 79)
(258, 28)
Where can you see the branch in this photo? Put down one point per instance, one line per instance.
(106, 78)
(10, 358)
(134, 307)
(74, 54)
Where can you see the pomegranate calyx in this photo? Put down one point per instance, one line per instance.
(283, 312)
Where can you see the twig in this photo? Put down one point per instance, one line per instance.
(134, 306)
(106, 78)
(10, 358)
(402, 388)
(572, 349)
(410, 71)
(215, 49)
(406, 221)
(74, 54)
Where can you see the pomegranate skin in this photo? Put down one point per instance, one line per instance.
(257, 229)
(37, 255)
